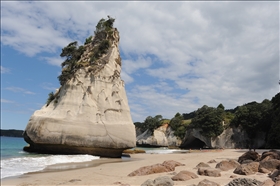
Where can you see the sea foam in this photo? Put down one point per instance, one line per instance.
(18, 166)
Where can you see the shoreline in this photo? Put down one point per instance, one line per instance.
(106, 171)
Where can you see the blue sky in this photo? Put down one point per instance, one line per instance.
(176, 56)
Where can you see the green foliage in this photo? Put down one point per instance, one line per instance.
(103, 46)
(99, 50)
(72, 53)
(150, 123)
(253, 117)
(179, 125)
(104, 25)
(189, 115)
(273, 140)
(50, 98)
(221, 106)
(209, 119)
(88, 40)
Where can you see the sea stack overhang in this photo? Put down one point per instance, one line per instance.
(89, 113)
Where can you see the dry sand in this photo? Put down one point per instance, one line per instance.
(115, 171)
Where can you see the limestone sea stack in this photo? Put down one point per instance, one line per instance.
(89, 113)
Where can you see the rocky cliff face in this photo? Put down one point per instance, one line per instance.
(90, 113)
(160, 137)
(230, 138)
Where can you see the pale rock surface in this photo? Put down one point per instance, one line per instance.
(91, 114)
(230, 138)
(160, 137)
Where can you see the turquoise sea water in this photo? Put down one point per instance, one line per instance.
(12, 147)
(15, 161)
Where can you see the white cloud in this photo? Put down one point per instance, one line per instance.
(4, 70)
(18, 89)
(56, 61)
(49, 86)
(222, 52)
(6, 101)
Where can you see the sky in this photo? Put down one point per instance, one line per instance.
(176, 56)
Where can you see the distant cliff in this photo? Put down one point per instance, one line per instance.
(232, 137)
(163, 136)
(12, 133)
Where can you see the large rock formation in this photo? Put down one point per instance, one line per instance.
(90, 112)
(160, 137)
(230, 138)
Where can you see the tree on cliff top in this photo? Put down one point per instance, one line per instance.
(104, 25)
(178, 125)
(253, 117)
(72, 52)
(210, 120)
(273, 140)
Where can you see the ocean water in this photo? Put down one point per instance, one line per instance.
(15, 161)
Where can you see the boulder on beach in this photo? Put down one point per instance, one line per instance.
(249, 155)
(206, 182)
(244, 182)
(247, 169)
(227, 165)
(184, 175)
(89, 113)
(166, 166)
(160, 181)
(205, 171)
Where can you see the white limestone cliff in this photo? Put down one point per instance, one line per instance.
(230, 138)
(90, 113)
(163, 136)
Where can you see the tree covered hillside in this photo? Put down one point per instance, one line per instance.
(252, 117)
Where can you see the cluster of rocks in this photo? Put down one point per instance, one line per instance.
(247, 164)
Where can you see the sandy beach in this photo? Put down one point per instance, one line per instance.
(115, 171)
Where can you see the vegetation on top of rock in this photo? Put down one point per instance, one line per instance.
(273, 137)
(88, 40)
(209, 119)
(97, 45)
(72, 53)
(50, 98)
(150, 123)
(179, 126)
(253, 117)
